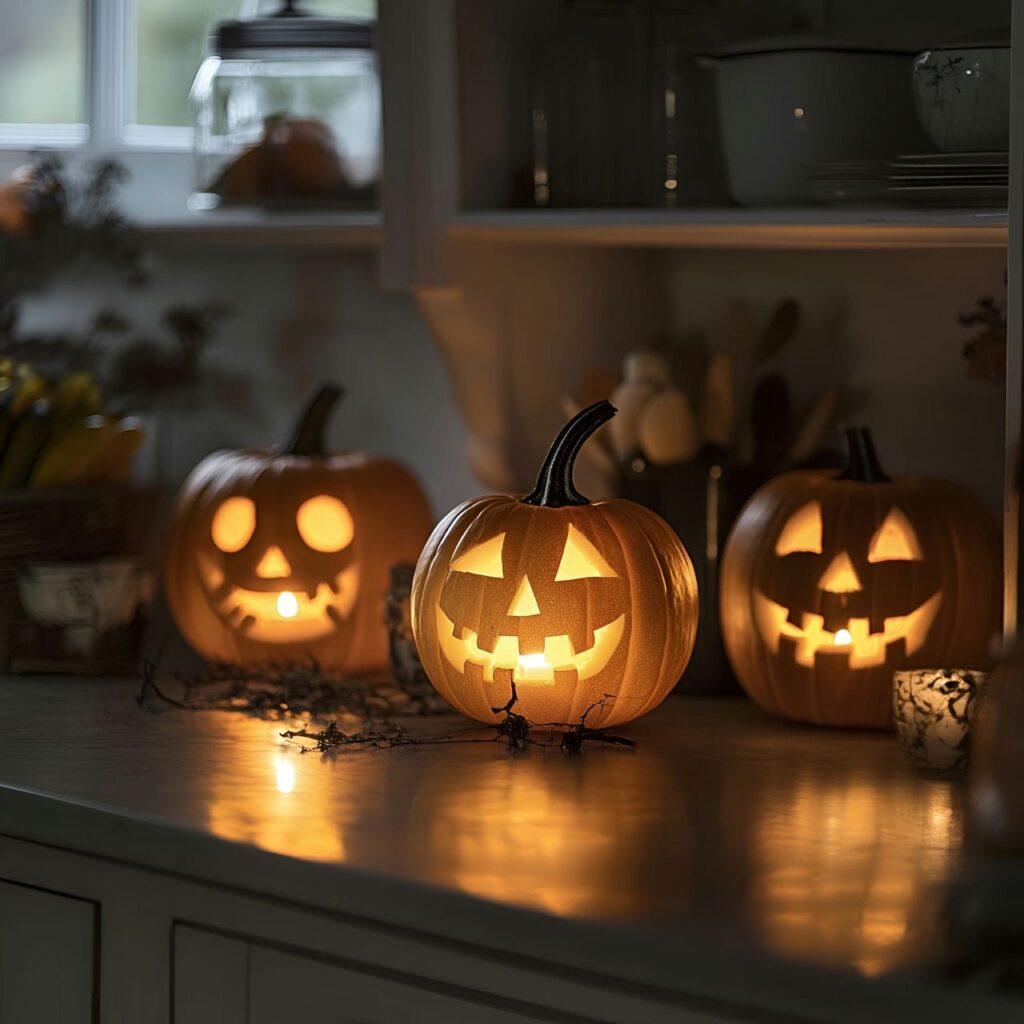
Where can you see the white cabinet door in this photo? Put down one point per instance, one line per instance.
(48, 953)
(284, 986)
(211, 978)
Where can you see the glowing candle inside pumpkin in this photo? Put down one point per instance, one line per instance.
(287, 606)
(843, 637)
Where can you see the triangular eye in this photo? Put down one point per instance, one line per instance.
(581, 560)
(802, 531)
(483, 560)
(895, 541)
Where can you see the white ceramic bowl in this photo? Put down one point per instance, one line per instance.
(789, 104)
(100, 595)
(963, 98)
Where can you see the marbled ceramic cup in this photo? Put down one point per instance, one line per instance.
(963, 98)
(932, 711)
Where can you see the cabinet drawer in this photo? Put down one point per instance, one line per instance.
(228, 980)
(48, 967)
(286, 986)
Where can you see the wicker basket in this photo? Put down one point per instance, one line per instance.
(72, 527)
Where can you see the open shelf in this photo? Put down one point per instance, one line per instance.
(705, 228)
(327, 229)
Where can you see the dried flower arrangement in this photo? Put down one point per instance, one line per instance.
(985, 350)
(52, 222)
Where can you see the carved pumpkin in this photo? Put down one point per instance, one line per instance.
(568, 599)
(829, 583)
(285, 554)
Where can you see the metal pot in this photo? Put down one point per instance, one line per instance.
(786, 105)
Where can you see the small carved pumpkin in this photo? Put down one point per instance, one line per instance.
(568, 599)
(829, 583)
(285, 554)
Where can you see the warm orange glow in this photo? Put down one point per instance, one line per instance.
(581, 560)
(325, 524)
(895, 541)
(531, 666)
(525, 602)
(482, 560)
(290, 616)
(857, 898)
(273, 565)
(803, 531)
(840, 577)
(864, 648)
(234, 524)
(567, 842)
(284, 769)
(267, 798)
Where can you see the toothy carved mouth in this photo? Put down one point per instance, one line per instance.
(255, 614)
(864, 648)
(558, 654)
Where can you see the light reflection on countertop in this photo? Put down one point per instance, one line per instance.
(813, 844)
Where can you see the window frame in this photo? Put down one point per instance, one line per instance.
(110, 97)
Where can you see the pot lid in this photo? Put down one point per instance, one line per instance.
(808, 41)
(291, 28)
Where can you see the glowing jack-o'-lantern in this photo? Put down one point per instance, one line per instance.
(568, 599)
(285, 554)
(829, 583)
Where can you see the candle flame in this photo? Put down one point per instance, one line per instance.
(842, 638)
(287, 606)
(533, 661)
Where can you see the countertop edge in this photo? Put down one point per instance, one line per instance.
(693, 966)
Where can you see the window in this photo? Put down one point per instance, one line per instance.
(102, 77)
(43, 81)
(113, 74)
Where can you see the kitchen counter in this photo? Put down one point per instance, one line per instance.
(731, 860)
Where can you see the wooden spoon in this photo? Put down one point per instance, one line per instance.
(668, 428)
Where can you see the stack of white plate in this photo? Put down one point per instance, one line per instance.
(926, 179)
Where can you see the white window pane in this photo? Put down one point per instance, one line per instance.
(42, 61)
(172, 41)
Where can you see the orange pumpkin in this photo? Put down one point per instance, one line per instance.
(285, 554)
(830, 582)
(570, 600)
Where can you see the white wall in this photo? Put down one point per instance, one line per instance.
(898, 352)
(299, 318)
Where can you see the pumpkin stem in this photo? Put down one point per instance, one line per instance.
(555, 488)
(307, 438)
(861, 459)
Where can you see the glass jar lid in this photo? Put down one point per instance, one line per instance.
(290, 28)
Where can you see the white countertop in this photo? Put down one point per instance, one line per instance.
(730, 856)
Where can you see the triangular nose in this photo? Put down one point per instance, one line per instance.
(840, 577)
(524, 603)
(273, 565)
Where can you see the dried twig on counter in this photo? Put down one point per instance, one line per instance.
(285, 691)
(514, 729)
(290, 691)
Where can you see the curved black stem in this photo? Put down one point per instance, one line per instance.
(307, 438)
(861, 460)
(555, 488)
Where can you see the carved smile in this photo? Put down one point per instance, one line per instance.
(286, 615)
(540, 667)
(864, 648)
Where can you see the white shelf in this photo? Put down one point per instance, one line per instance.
(327, 230)
(805, 228)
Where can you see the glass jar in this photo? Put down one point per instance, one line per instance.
(287, 113)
